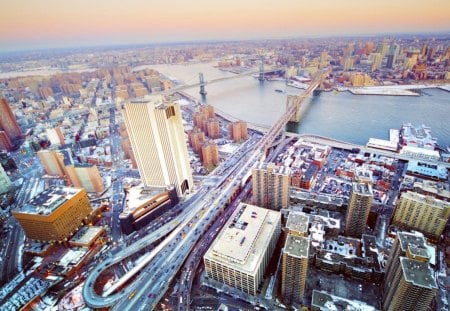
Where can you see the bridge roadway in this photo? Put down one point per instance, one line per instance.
(149, 287)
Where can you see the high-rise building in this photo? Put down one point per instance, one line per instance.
(54, 214)
(8, 122)
(270, 185)
(210, 154)
(85, 176)
(5, 143)
(348, 63)
(421, 212)
(196, 139)
(55, 136)
(208, 111)
(376, 61)
(5, 182)
(410, 282)
(53, 162)
(297, 224)
(155, 129)
(242, 250)
(238, 131)
(213, 129)
(361, 197)
(294, 269)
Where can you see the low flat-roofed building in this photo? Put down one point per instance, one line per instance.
(297, 224)
(322, 200)
(242, 250)
(54, 214)
(420, 153)
(145, 204)
(427, 171)
(86, 236)
(322, 301)
(439, 190)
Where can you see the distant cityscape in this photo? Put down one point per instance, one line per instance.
(123, 188)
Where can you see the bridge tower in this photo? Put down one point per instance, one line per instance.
(261, 70)
(202, 84)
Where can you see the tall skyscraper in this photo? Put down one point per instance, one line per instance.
(270, 185)
(158, 141)
(53, 162)
(410, 282)
(361, 197)
(421, 212)
(85, 176)
(8, 122)
(5, 182)
(294, 269)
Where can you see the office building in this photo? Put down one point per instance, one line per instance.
(238, 131)
(348, 63)
(270, 185)
(158, 141)
(54, 214)
(422, 212)
(294, 269)
(210, 154)
(85, 176)
(242, 250)
(361, 197)
(8, 122)
(5, 182)
(53, 162)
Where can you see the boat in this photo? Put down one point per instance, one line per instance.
(279, 91)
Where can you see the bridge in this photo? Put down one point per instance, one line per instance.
(143, 286)
(261, 72)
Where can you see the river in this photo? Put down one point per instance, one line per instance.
(352, 118)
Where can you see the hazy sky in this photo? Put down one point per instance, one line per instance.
(58, 23)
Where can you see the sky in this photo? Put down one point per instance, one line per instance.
(26, 24)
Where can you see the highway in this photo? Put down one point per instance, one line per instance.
(159, 267)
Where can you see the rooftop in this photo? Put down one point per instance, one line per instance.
(428, 200)
(362, 189)
(418, 273)
(297, 221)
(325, 301)
(49, 200)
(140, 195)
(85, 235)
(245, 237)
(296, 246)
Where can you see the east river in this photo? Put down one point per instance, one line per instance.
(352, 118)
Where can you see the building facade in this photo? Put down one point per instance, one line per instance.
(53, 162)
(8, 122)
(158, 141)
(361, 198)
(270, 186)
(242, 250)
(294, 269)
(54, 214)
(85, 176)
(421, 212)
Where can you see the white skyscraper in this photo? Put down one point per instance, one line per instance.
(155, 129)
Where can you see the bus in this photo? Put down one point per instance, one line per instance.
(132, 295)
